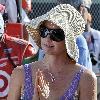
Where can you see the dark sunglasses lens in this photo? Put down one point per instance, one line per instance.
(43, 32)
(57, 35)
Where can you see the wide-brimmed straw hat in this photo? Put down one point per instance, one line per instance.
(67, 18)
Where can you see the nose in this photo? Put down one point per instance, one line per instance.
(48, 38)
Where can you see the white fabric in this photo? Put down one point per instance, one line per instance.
(25, 18)
(96, 46)
(96, 36)
(1, 25)
(11, 9)
(87, 3)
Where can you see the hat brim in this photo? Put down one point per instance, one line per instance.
(34, 33)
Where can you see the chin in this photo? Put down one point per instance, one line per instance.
(49, 51)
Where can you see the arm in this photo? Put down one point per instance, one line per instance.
(84, 56)
(82, 46)
(88, 86)
(15, 85)
(26, 4)
(12, 10)
(29, 52)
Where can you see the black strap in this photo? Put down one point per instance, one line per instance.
(8, 54)
(92, 40)
(19, 17)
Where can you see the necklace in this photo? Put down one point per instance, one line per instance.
(49, 75)
(57, 75)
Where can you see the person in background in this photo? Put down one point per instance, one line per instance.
(14, 10)
(57, 76)
(15, 15)
(12, 53)
(93, 39)
(10, 10)
(84, 55)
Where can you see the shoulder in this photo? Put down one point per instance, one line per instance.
(17, 74)
(95, 33)
(81, 42)
(80, 38)
(94, 30)
(88, 78)
(16, 40)
(88, 86)
(18, 69)
(89, 74)
(16, 83)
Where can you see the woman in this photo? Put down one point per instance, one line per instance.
(57, 76)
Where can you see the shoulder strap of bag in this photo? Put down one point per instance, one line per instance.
(8, 54)
(19, 17)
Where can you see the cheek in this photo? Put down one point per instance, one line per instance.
(60, 47)
(42, 42)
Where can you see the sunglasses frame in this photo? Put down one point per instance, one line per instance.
(55, 34)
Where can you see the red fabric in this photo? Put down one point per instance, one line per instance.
(14, 29)
(29, 51)
(25, 5)
(18, 49)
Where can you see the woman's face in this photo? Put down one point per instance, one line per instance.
(54, 41)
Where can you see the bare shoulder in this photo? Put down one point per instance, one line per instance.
(18, 70)
(88, 86)
(88, 76)
(17, 73)
(16, 82)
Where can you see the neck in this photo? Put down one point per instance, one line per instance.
(57, 63)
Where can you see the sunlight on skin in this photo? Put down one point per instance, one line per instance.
(43, 85)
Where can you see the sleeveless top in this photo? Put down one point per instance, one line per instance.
(70, 93)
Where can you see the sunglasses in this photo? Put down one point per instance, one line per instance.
(55, 34)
